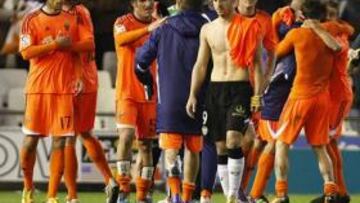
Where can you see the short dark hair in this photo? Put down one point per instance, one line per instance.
(192, 4)
(333, 4)
(314, 9)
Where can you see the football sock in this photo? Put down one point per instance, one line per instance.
(56, 171)
(28, 159)
(188, 189)
(96, 153)
(235, 169)
(70, 171)
(281, 188)
(144, 182)
(265, 167)
(330, 188)
(223, 173)
(338, 172)
(174, 184)
(251, 160)
(123, 177)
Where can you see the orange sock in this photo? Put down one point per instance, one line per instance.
(56, 171)
(265, 167)
(174, 184)
(124, 183)
(188, 189)
(338, 172)
(142, 188)
(330, 188)
(70, 171)
(96, 153)
(281, 188)
(206, 193)
(28, 159)
(250, 164)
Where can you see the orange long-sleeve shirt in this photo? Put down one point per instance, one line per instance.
(129, 34)
(51, 70)
(340, 85)
(86, 48)
(314, 62)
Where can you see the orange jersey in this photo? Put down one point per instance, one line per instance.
(314, 61)
(86, 31)
(244, 35)
(129, 34)
(54, 70)
(340, 85)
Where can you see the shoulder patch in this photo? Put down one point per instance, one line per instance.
(119, 28)
(25, 41)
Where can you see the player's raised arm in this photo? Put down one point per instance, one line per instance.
(199, 72)
(286, 45)
(145, 55)
(123, 37)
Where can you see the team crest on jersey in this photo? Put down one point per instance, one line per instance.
(120, 28)
(25, 41)
(47, 40)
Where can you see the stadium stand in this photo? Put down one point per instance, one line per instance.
(105, 110)
(109, 64)
(104, 80)
(10, 78)
(16, 103)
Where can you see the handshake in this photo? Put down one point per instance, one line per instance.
(145, 77)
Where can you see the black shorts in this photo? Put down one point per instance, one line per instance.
(227, 108)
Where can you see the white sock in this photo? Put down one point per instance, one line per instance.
(123, 167)
(224, 178)
(147, 173)
(236, 169)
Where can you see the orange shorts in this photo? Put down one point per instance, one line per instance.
(175, 141)
(49, 114)
(85, 111)
(310, 113)
(142, 116)
(338, 112)
(267, 130)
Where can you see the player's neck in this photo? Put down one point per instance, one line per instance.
(50, 10)
(67, 7)
(142, 19)
(247, 12)
(226, 19)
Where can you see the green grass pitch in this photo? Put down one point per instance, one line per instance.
(95, 197)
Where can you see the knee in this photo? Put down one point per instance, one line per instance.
(233, 140)
(30, 143)
(221, 148)
(145, 146)
(270, 148)
(85, 135)
(70, 141)
(58, 143)
(232, 144)
(126, 136)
